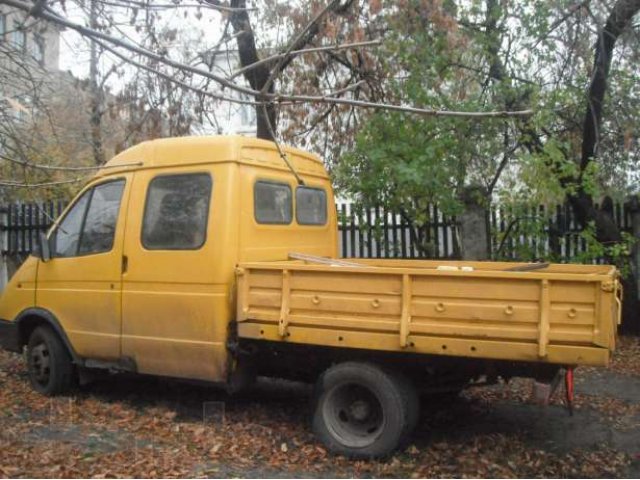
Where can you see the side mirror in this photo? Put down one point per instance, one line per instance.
(43, 252)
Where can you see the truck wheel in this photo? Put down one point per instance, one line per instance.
(49, 363)
(362, 411)
(412, 399)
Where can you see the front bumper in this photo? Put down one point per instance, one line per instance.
(9, 339)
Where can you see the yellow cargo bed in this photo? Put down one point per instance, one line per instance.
(562, 314)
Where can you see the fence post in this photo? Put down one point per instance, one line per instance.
(4, 247)
(634, 209)
(474, 225)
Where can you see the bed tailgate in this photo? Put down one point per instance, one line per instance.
(559, 315)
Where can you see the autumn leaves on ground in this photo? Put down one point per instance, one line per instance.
(145, 427)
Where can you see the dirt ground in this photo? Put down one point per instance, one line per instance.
(145, 427)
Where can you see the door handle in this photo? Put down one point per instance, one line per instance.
(125, 263)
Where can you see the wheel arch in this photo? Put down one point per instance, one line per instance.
(31, 318)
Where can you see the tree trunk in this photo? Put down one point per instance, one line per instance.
(474, 227)
(607, 232)
(95, 118)
(267, 116)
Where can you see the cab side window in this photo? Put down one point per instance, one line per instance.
(102, 216)
(90, 226)
(272, 203)
(66, 237)
(176, 212)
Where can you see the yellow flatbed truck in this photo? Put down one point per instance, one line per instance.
(205, 258)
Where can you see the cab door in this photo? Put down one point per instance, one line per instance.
(81, 283)
(175, 305)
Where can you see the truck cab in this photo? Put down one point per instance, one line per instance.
(140, 274)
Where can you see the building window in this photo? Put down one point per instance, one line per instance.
(19, 37)
(176, 212)
(38, 49)
(247, 113)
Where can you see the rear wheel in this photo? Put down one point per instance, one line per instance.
(362, 410)
(412, 400)
(48, 362)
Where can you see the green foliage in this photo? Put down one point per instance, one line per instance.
(404, 162)
(540, 174)
(616, 253)
(495, 55)
(524, 236)
(385, 169)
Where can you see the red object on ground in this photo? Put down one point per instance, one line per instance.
(568, 384)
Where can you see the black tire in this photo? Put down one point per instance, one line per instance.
(412, 400)
(49, 364)
(362, 410)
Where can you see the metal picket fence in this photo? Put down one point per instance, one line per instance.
(378, 233)
(24, 222)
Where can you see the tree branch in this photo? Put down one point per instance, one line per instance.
(329, 48)
(265, 98)
(65, 169)
(302, 38)
(173, 79)
(619, 19)
(212, 4)
(39, 185)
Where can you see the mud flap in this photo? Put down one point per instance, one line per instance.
(544, 390)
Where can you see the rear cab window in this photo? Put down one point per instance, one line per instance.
(273, 203)
(311, 206)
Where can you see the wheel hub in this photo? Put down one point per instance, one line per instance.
(354, 415)
(39, 361)
(360, 410)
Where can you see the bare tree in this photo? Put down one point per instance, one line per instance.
(267, 96)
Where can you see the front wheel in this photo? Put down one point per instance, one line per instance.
(48, 362)
(362, 410)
